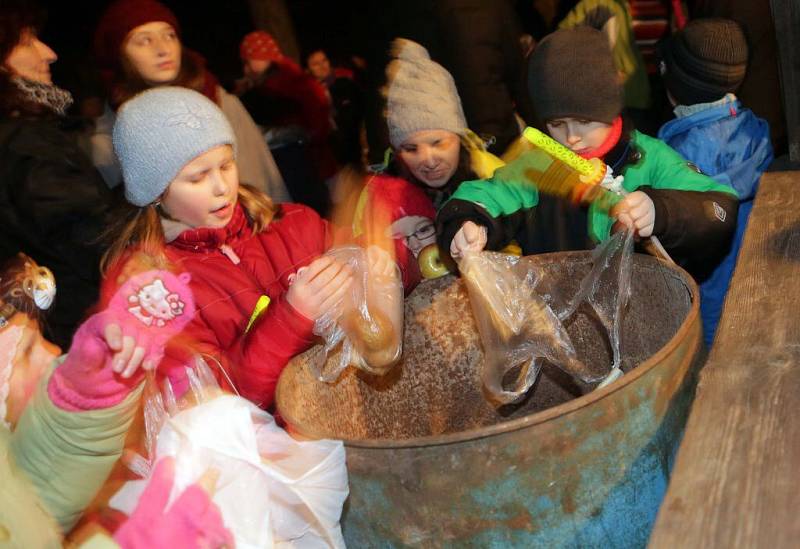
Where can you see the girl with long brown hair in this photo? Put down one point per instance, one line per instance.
(138, 47)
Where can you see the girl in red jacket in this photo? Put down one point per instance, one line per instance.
(258, 281)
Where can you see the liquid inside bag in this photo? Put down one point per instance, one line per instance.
(521, 316)
(368, 323)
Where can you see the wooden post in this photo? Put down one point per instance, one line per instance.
(786, 14)
(273, 16)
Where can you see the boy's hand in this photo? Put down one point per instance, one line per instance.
(470, 237)
(319, 287)
(636, 211)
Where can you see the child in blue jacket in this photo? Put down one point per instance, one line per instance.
(702, 66)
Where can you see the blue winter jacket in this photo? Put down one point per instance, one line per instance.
(732, 145)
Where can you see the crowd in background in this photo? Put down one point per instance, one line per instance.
(147, 161)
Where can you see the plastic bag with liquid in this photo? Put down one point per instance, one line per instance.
(517, 324)
(367, 324)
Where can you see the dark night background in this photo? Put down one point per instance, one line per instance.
(214, 29)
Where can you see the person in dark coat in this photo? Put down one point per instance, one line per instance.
(53, 202)
(347, 102)
(295, 110)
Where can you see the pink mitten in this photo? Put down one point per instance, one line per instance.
(150, 308)
(192, 521)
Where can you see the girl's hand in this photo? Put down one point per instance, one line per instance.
(469, 238)
(380, 262)
(128, 354)
(637, 212)
(193, 520)
(319, 287)
(111, 350)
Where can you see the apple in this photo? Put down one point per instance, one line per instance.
(430, 264)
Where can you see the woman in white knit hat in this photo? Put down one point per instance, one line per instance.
(431, 154)
(426, 121)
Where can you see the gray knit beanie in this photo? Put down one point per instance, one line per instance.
(420, 94)
(161, 130)
(571, 73)
(704, 61)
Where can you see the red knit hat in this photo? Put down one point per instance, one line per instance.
(399, 198)
(121, 18)
(260, 46)
(390, 199)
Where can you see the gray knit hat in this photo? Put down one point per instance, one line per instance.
(161, 130)
(420, 94)
(704, 61)
(571, 73)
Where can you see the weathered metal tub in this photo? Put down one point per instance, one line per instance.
(433, 464)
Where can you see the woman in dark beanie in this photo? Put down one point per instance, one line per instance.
(53, 202)
(137, 46)
(575, 89)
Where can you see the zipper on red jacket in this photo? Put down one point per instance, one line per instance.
(230, 254)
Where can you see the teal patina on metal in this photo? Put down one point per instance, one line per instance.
(431, 464)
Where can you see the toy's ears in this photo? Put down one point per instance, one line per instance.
(611, 28)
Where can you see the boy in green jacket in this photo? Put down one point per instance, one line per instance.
(576, 91)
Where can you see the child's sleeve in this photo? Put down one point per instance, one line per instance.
(690, 221)
(69, 455)
(694, 213)
(255, 360)
(253, 363)
(503, 207)
(258, 358)
(695, 216)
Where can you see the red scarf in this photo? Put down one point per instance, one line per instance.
(609, 143)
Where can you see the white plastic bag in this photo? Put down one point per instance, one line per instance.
(368, 324)
(272, 490)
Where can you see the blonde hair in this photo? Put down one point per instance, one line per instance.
(139, 229)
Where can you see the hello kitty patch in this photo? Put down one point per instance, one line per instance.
(155, 305)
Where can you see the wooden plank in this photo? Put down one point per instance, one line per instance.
(786, 15)
(735, 479)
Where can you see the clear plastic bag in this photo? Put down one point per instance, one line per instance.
(517, 324)
(294, 490)
(606, 290)
(368, 324)
(521, 316)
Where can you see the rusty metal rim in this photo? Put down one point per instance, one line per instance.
(551, 413)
